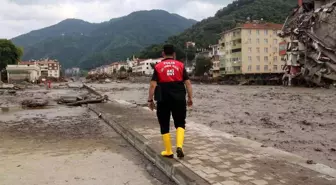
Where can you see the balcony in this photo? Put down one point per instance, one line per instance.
(236, 46)
(236, 64)
(234, 72)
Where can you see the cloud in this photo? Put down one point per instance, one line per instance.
(21, 16)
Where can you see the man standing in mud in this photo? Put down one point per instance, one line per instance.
(169, 85)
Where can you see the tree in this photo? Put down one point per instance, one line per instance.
(122, 69)
(129, 70)
(203, 65)
(9, 53)
(84, 73)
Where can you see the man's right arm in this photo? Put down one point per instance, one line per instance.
(189, 88)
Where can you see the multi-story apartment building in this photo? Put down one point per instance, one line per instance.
(251, 48)
(116, 66)
(49, 68)
(144, 67)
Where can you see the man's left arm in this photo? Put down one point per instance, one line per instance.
(152, 86)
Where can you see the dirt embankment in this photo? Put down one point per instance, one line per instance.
(298, 120)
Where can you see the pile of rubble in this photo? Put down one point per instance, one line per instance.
(34, 100)
(98, 76)
(312, 49)
(106, 78)
(81, 100)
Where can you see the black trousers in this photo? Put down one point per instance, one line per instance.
(176, 108)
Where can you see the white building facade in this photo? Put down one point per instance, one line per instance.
(145, 67)
(23, 72)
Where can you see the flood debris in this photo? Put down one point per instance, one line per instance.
(311, 162)
(81, 100)
(35, 102)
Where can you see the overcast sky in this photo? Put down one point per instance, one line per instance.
(21, 16)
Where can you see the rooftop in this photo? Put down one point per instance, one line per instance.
(265, 26)
(256, 25)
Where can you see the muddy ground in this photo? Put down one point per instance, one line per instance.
(297, 120)
(66, 145)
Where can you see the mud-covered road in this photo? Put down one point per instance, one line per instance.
(66, 145)
(297, 120)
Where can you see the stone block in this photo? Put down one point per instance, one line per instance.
(210, 170)
(195, 161)
(226, 174)
(230, 183)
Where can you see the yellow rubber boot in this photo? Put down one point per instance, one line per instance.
(179, 142)
(168, 146)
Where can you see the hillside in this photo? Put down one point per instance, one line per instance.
(67, 27)
(78, 43)
(206, 32)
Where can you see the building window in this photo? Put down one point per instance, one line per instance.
(266, 32)
(258, 41)
(274, 32)
(275, 59)
(250, 32)
(258, 32)
(275, 49)
(258, 67)
(250, 50)
(258, 50)
(249, 41)
(275, 41)
(258, 58)
(275, 67)
(265, 59)
(249, 68)
(236, 50)
(265, 67)
(266, 50)
(266, 41)
(250, 59)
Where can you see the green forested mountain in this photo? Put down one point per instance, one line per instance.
(78, 43)
(206, 32)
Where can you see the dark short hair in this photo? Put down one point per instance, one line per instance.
(168, 49)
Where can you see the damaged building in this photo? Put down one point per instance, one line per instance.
(310, 51)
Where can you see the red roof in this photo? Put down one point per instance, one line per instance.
(266, 26)
(262, 26)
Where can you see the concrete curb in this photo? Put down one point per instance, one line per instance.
(171, 167)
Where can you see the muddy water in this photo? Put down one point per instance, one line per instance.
(60, 145)
(298, 120)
